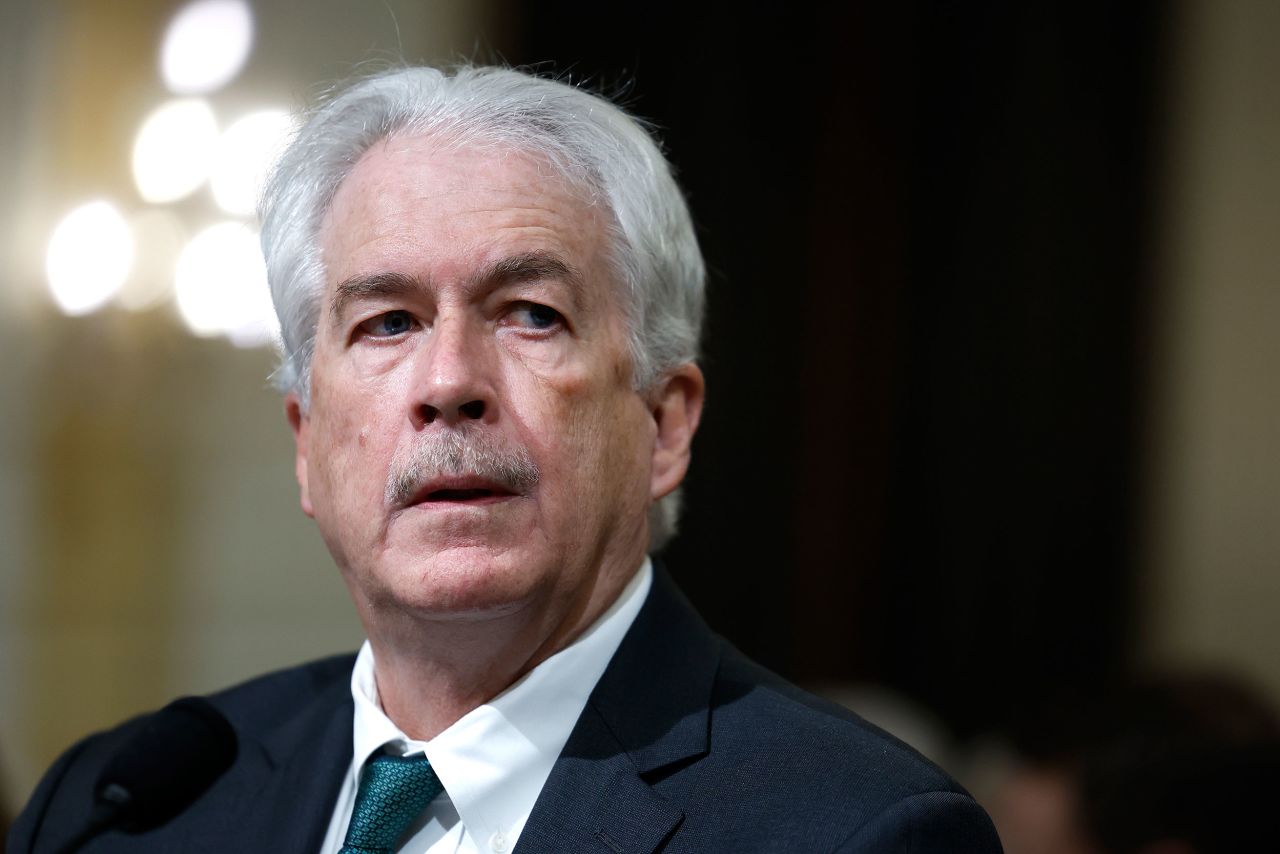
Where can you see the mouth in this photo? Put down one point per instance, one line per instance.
(460, 495)
(459, 491)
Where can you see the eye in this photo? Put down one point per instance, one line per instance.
(388, 325)
(532, 315)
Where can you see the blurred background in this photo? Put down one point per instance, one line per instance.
(991, 350)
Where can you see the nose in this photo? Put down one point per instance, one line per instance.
(453, 383)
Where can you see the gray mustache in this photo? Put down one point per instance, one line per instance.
(463, 452)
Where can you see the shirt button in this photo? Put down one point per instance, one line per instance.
(498, 842)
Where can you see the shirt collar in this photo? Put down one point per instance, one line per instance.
(494, 761)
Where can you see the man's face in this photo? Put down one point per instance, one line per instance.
(474, 446)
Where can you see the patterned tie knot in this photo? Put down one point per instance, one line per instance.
(393, 792)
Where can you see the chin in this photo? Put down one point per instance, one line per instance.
(464, 581)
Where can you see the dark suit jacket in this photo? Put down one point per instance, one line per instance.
(684, 746)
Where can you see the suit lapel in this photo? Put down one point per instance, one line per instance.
(595, 800)
(298, 771)
(649, 711)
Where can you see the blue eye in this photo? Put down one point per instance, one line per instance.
(536, 316)
(388, 325)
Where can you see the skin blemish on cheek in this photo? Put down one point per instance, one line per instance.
(364, 436)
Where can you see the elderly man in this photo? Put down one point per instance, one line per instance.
(490, 296)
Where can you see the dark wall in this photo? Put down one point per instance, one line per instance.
(926, 225)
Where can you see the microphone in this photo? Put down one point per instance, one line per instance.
(161, 770)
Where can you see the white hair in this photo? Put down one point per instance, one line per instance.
(588, 140)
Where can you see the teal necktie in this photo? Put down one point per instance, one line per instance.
(393, 791)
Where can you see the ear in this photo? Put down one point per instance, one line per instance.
(300, 423)
(677, 408)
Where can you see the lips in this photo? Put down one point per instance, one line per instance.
(459, 490)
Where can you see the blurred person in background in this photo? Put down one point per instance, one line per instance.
(491, 295)
(1175, 764)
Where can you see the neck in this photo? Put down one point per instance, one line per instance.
(432, 671)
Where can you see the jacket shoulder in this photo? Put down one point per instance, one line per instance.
(805, 773)
(265, 708)
(756, 710)
(259, 705)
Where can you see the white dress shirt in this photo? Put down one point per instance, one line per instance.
(493, 761)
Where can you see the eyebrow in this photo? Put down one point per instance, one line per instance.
(533, 267)
(363, 287)
(522, 267)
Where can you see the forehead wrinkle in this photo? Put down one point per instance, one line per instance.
(556, 208)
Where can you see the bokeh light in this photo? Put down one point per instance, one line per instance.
(221, 286)
(246, 150)
(89, 257)
(206, 45)
(174, 149)
(159, 237)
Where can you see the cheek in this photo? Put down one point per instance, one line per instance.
(603, 441)
(574, 411)
(345, 443)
